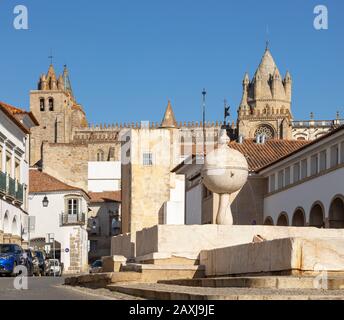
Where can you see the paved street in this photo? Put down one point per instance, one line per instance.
(47, 288)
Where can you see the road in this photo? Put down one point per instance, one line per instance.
(47, 288)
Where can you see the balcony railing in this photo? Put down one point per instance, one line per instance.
(72, 219)
(11, 188)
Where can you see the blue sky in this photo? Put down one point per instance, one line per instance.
(128, 57)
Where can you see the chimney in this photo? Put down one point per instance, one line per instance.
(241, 139)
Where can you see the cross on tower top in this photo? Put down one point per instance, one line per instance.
(51, 57)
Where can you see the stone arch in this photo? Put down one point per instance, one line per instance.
(283, 220)
(336, 213)
(299, 218)
(14, 227)
(317, 215)
(7, 223)
(269, 221)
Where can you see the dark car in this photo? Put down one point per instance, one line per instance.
(40, 255)
(11, 255)
(31, 263)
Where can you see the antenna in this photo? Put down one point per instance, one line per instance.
(227, 112)
(51, 56)
(204, 94)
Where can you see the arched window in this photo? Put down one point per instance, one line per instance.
(265, 130)
(51, 104)
(299, 218)
(100, 155)
(283, 220)
(269, 221)
(42, 104)
(6, 223)
(336, 216)
(15, 227)
(317, 216)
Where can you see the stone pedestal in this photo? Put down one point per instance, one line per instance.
(187, 242)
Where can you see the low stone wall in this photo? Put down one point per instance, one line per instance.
(182, 240)
(1, 237)
(293, 255)
(123, 245)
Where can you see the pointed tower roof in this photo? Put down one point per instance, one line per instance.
(51, 72)
(66, 80)
(169, 120)
(267, 65)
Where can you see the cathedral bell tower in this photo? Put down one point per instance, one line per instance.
(56, 110)
(265, 108)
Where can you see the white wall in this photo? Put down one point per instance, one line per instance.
(104, 176)
(323, 189)
(194, 206)
(48, 221)
(175, 208)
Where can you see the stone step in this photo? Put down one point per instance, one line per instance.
(154, 273)
(259, 282)
(175, 292)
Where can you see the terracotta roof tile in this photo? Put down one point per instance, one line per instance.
(107, 196)
(261, 155)
(43, 182)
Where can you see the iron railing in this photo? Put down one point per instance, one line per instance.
(72, 219)
(11, 188)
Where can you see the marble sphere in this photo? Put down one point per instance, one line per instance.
(225, 171)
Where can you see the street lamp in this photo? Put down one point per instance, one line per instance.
(45, 202)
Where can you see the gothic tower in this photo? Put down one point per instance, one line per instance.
(265, 107)
(56, 110)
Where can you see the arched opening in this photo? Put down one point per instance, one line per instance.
(265, 130)
(299, 218)
(100, 155)
(14, 227)
(6, 223)
(269, 221)
(316, 218)
(283, 220)
(51, 104)
(42, 104)
(336, 216)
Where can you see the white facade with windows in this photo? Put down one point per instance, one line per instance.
(306, 188)
(14, 173)
(60, 211)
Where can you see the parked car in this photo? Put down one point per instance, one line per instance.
(28, 262)
(41, 257)
(96, 266)
(35, 263)
(55, 268)
(11, 255)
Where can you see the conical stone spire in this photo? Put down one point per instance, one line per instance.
(169, 120)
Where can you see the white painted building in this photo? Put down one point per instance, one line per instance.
(15, 125)
(59, 210)
(307, 186)
(104, 176)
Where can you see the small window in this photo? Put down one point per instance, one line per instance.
(73, 206)
(304, 169)
(100, 155)
(51, 104)
(323, 160)
(287, 177)
(280, 179)
(334, 156)
(314, 165)
(42, 104)
(296, 174)
(17, 169)
(148, 159)
(272, 183)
